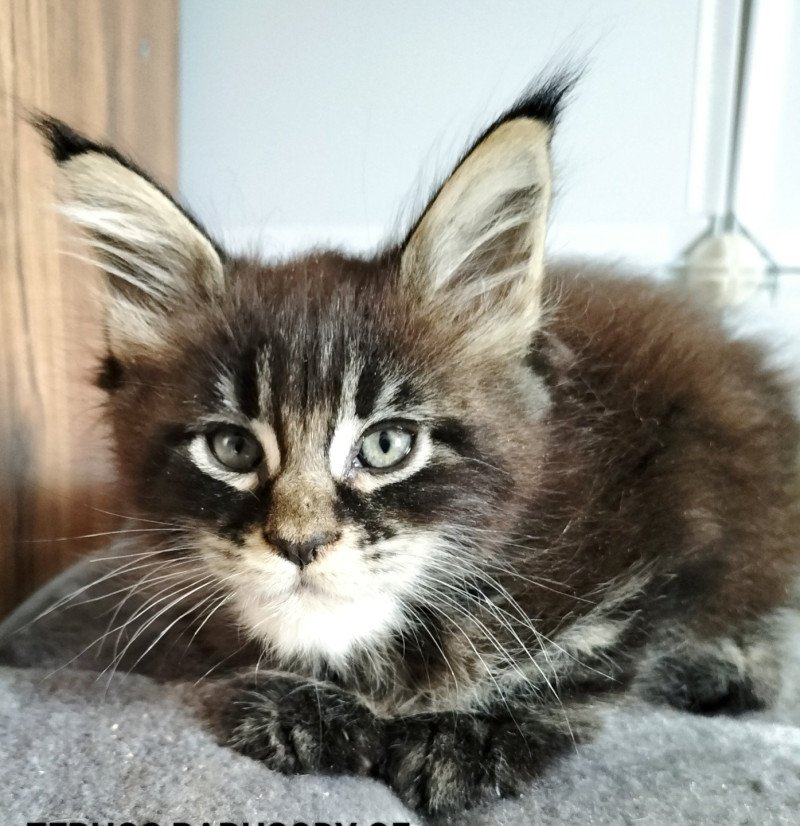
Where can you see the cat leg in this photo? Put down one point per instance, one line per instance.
(443, 763)
(298, 726)
(725, 675)
(436, 762)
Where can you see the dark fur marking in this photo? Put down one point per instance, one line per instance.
(278, 370)
(539, 361)
(246, 513)
(541, 101)
(111, 375)
(247, 384)
(406, 394)
(370, 384)
(423, 498)
(455, 435)
(361, 510)
(170, 484)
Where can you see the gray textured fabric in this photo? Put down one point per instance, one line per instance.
(78, 745)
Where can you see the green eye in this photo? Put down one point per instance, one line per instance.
(235, 449)
(385, 446)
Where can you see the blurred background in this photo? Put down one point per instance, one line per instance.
(288, 123)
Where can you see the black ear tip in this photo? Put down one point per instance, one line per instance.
(63, 141)
(544, 100)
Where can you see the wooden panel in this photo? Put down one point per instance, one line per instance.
(108, 67)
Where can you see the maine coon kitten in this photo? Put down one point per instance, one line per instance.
(459, 498)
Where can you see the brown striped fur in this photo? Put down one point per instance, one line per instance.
(601, 492)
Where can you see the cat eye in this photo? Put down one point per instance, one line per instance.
(235, 448)
(385, 447)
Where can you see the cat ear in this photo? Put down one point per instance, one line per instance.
(155, 255)
(476, 254)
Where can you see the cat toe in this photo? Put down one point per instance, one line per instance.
(298, 727)
(438, 767)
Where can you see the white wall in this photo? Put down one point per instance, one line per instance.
(319, 119)
(312, 120)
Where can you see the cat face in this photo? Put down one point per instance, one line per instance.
(325, 462)
(338, 437)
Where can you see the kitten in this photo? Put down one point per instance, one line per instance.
(462, 500)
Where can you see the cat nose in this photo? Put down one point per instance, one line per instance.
(301, 553)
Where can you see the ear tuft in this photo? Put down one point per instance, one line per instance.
(155, 254)
(475, 256)
(543, 101)
(64, 142)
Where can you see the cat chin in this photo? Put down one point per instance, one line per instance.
(341, 604)
(310, 625)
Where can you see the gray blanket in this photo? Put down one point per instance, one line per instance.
(82, 741)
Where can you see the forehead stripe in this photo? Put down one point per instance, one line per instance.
(247, 383)
(406, 395)
(370, 384)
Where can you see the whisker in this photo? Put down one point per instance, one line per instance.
(98, 534)
(183, 593)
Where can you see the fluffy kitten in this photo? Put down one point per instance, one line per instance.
(459, 498)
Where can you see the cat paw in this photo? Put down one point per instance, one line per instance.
(295, 726)
(706, 688)
(446, 763)
(721, 678)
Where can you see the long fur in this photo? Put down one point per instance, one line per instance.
(601, 493)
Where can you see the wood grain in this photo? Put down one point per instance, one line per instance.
(109, 68)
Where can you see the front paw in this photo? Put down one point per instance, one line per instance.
(444, 763)
(296, 726)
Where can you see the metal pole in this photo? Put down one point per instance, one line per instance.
(735, 130)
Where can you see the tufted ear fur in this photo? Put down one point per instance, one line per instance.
(154, 253)
(476, 254)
